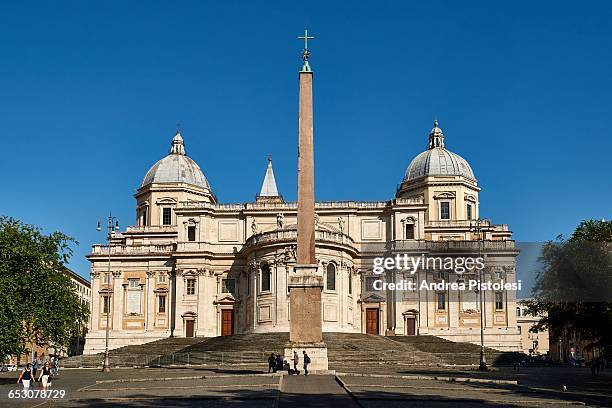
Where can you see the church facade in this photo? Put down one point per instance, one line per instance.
(194, 267)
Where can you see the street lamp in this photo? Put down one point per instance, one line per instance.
(476, 226)
(113, 225)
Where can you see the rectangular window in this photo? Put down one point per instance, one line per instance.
(228, 286)
(161, 304)
(191, 286)
(266, 276)
(106, 278)
(167, 216)
(248, 282)
(444, 210)
(409, 231)
(499, 300)
(441, 300)
(350, 284)
(106, 304)
(161, 278)
(469, 211)
(134, 283)
(191, 233)
(518, 312)
(369, 283)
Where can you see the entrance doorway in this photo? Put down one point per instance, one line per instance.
(227, 322)
(372, 321)
(189, 324)
(411, 326)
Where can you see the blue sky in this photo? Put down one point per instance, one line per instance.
(91, 92)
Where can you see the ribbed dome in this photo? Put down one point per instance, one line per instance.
(437, 161)
(177, 167)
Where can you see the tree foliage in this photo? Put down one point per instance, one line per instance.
(37, 301)
(573, 291)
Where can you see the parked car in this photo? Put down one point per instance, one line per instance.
(12, 367)
(3, 368)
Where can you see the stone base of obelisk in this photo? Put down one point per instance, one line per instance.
(317, 353)
(305, 318)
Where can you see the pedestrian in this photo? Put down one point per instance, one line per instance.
(45, 376)
(296, 361)
(279, 362)
(272, 363)
(35, 364)
(306, 362)
(592, 368)
(26, 377)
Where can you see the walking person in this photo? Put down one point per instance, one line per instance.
(306, 362)
(296, 361)
(45, 376)
(26, 377)
(35, 365)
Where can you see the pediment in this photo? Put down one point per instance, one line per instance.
(373, 298)
(226, 298)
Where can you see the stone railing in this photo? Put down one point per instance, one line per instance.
(291, 235)
(190, 205)
(98, 249)
(465, 224)
(452, 245)
(415, 200)
(152, 228)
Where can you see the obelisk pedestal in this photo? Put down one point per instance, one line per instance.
(306, 281)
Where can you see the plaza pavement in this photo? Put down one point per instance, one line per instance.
(371, 387)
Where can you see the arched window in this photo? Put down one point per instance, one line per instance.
(265, 277)
(331, 277)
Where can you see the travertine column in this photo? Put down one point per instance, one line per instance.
(94, 315)
(117, 301)
(150, 302)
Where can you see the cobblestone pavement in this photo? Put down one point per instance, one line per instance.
(387, 387)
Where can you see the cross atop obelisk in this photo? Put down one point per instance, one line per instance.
(306, 52)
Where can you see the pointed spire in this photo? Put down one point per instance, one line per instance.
(268, 188)
(436, 136)
(178, 145)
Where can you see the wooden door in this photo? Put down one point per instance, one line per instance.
(227, 322)
(410, 326)
(372, 321)
(189, 328)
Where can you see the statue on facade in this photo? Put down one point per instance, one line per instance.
(254, 227)
(280, 220)
(341, 224)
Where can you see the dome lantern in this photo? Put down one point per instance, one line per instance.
(436, 136)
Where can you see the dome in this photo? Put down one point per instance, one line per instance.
(437, 161)
(176, 167)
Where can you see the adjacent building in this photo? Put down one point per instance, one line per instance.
(532, 343)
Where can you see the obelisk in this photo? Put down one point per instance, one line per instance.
(306, 281)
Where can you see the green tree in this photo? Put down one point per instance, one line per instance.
(573, 290)
(37, 301)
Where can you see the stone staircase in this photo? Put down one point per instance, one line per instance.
(136, 355)
(450, 352)
(345, 350)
